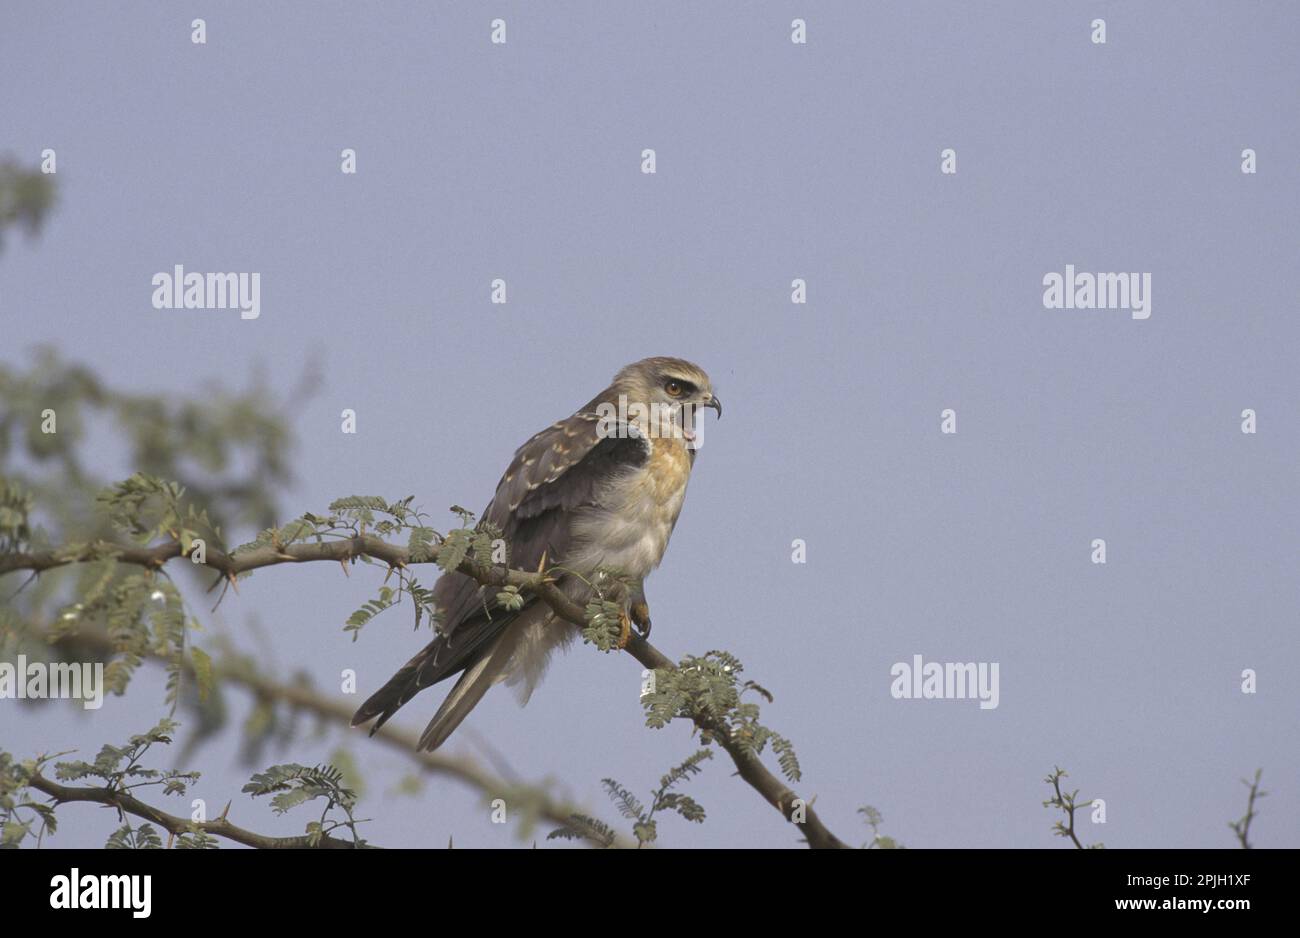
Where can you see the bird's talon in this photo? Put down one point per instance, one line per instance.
(641, 618)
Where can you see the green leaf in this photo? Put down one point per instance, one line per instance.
(511, 599)
(454, 548)
(626, 802)
(202, 671)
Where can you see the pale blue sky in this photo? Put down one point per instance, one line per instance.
(775, 161)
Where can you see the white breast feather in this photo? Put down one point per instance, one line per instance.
(628, 531)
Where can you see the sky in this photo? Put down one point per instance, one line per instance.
(774, 161)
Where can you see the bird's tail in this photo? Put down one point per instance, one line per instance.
(469, 690)
(416, 675)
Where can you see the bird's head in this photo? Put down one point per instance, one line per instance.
(669, 388)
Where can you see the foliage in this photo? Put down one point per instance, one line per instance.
(707, 687)
(604, 624)
(117, 769)
(26, 198)
(874, 819)
(120, 770)
(229, 451)
(292, 785)
(1241, 826)
(20, 817)
(201, 462)
(1068, 803)
(644, 826)
(356, 515)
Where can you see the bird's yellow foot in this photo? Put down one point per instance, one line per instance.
(624, 631)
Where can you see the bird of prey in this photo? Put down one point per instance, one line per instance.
(593, 496)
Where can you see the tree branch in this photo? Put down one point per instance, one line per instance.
(1068, 806)
(1242, 827)
(340, 712)
(129, 804)
(748, 765)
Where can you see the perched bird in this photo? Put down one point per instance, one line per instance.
(596, 492)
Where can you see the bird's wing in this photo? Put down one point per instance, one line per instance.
(556, 472)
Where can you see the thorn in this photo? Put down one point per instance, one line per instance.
(541, 564)
(224, 812)
(234, 584)
(344, 564)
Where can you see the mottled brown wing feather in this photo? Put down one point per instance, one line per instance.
(557, 471)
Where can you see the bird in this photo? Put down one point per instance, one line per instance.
(593, 499)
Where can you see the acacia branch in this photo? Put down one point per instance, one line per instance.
(1067, 805)
(748, 765)
(128, 804)
(340, 712)
(1242, 827)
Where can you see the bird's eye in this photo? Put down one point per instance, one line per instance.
(674, 388)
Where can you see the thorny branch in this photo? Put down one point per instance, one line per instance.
(1242, 827)
(748, 766)
(339, 712)
(128, 804)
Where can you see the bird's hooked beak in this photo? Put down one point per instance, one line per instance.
(715, 403)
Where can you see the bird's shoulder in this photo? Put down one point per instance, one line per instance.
(562, 466)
